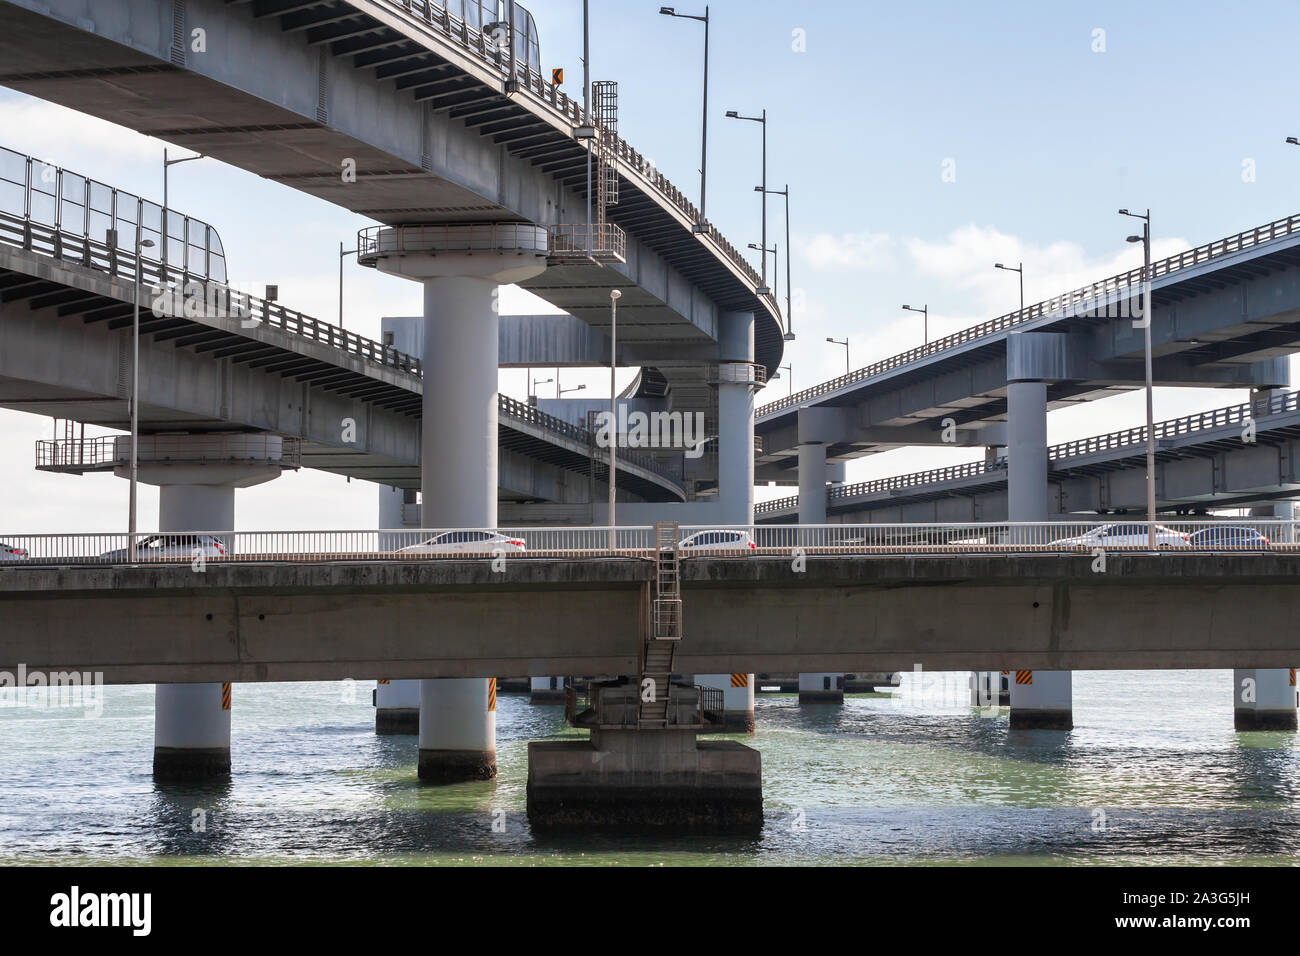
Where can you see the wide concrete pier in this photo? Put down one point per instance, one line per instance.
(629, 776)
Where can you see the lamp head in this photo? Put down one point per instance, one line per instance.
(1133, 239)
(1293, 141)
(667, 11)
(732, 114)
(1124, 212)
(998, 265)
(146, 243)
(615, 294)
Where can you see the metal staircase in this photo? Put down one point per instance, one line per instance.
(665, 628)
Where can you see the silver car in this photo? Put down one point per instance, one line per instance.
(174, 546)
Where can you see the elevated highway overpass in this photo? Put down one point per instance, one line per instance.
(1225, 314)
(1230, 457)
(221, 360)
(440, 123)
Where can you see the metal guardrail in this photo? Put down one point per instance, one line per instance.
(1060, 304)
(47, 205)
(431, 14)
(376, 241)
(316, 547)
(104, 452)
(1124, 438)
(604, 242)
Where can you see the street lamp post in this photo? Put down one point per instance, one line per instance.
(1020, 269)
(532, 388)
(925, 322)
(845, 343)
(342, 255)
(704, 134)
(140, 244)
(762, 190)
(1145, 239)
(614, 296)
(776, 279)
(167, 165)
(789, 287)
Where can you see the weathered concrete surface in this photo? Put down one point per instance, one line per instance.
(542, 616)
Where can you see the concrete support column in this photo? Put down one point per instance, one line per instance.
(1264, 699)
(1040, 700)
(191, 722)
(397, 702)
(397, 707)
(461, 266)
(458, 461)
(736, 418)
(815, 688)
(821, 688)
(1027, 451)
(812, 484)
(737, 699)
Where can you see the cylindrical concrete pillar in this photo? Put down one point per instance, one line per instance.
(1040, 700)
(458, 450)
(458, 730)
(737, 699)
(191, 731)
(191, 736)
(458, 460)
(736, 420)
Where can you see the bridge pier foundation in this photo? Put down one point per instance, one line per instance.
(461, 267)
(397, 707)
(192, 721)
(1042, 700)
(1264, 699)
(821, 688)
(737, 700)
(546, 690)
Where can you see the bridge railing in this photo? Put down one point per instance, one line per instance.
(105, 452)
(70, 216)
(1065, 304)
(199, 549)
(431, 13)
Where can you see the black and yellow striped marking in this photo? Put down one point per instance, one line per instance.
(383, 682)
(1293, 677)
(1005, 673)
(1024, 677)
(739, 680)
(492, 693)
(225, 696)
(557, 77)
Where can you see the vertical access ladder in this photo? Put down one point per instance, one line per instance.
(665, 629)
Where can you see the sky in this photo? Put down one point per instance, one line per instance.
(921, 143)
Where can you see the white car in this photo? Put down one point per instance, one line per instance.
(720, 540)
(468, 542)
(1125, 536)
(177, 546)
(10, 552)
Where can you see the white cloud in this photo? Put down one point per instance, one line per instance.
(872, 251)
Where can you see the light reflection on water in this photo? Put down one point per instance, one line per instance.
(1152, 772)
